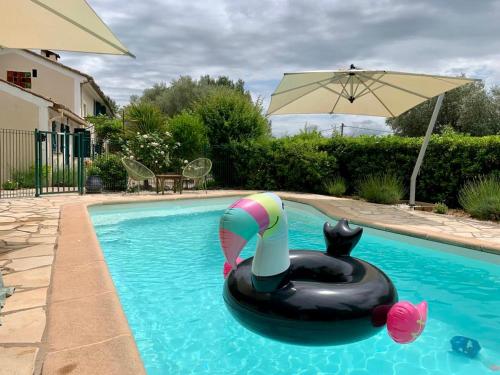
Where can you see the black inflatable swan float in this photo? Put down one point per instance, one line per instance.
(307, 297)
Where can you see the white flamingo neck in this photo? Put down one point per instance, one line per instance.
(271, 256)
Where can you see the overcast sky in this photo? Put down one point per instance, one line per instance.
(260, 40)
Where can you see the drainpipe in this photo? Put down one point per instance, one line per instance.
(421, 154)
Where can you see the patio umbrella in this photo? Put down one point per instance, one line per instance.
(363, 92)
(69, 25)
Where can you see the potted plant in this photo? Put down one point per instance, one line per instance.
(93, 183)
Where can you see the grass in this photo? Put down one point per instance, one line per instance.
(9, 185)
(440, 208)
(25, 178)
(382, 188)
(336, 187)
(480, 197)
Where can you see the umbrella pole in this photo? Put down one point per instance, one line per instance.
(420, 158)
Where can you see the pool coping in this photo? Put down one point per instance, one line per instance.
(336, 213)
(86, 326)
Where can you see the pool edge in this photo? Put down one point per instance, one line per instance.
(87, 330)
(336, 213)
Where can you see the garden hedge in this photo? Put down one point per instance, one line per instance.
(304, 163)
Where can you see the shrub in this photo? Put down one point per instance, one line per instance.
(230, 116)
(25, 178)
(291, 163)
(67, 177)
(151, 149)
(449, 161)
(92, 170)
(9, 185)
(144, 118)
(440, 208)
(382, 188)
(480, 197)
(112, 172)
(189, 131)
(336, 187)
(107, 129)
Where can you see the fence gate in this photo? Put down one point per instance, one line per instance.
(59, 162)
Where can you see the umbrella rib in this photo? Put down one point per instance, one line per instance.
(381, 102)
(302, 86)
(395, 87)
(344, 90)
(365, 90)
(335, 105)
(301, 96)
(335, 91)
(356, 89)
(445, 80)
(293, 100)
(52, 10)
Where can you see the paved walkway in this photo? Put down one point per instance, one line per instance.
(28, 241)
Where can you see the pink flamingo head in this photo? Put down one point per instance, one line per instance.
(405, 321)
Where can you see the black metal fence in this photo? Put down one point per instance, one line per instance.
(40, 162)
(59, 164)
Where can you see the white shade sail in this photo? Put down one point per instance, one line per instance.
(64, 25)
(357, 92)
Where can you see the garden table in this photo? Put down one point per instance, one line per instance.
(176, 178)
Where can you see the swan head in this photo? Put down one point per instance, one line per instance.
(261, 214)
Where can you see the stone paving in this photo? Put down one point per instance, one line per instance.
(28, 242)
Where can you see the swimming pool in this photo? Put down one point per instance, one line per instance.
(166, 263)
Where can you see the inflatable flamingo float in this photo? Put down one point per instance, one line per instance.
(307, 297)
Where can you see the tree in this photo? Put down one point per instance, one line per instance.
(230, 116)
(183, 93)
(189, 131)
(144, 118)
(468, 109)
(107, 129)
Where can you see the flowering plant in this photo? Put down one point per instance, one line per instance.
(151, 149)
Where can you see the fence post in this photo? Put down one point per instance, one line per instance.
(81, 154)
(37, 164)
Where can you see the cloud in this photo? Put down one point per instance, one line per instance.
(259, 41)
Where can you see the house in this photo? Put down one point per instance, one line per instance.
(39, 92)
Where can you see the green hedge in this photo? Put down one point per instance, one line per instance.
(292, 164)
(305, 163)
(448, 163)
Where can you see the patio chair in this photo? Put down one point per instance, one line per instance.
(136, 172)
(198, 171)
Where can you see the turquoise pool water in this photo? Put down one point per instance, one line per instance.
(166, 264)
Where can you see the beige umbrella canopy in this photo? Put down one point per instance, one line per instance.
(357, 92)
(363, 92)
(64, 25)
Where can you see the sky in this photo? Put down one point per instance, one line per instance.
(258, 41)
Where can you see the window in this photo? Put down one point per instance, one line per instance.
(99, 109)
(22, 79)
(84, 110)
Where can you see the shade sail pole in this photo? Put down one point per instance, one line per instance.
(420, 158)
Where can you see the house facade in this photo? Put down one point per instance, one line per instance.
(39, 92)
